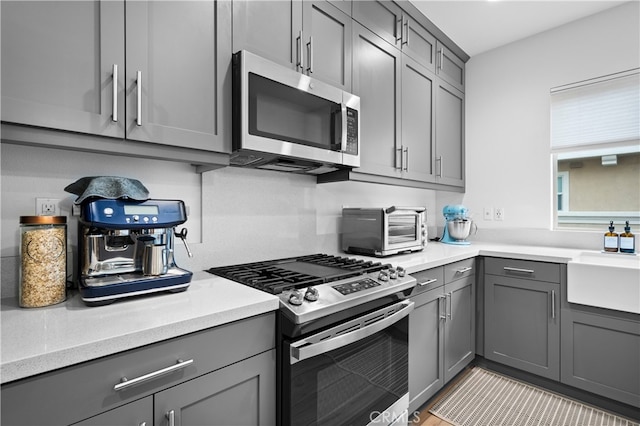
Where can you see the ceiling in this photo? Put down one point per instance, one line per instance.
(477, 26)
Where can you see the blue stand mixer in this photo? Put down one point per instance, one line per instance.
(457, 225)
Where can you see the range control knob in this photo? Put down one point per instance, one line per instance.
(312, 294)
(295, 298)
(401, 271)
(383, 276)
(393, 274)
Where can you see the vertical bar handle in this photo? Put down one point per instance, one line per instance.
(450, 309)
(399, 29)
(171, 416)
(401, 159)
(310, 55)
(405, 39)
(299, 59)
(441, 64)
(406, 165)
(439, 161)
(443, 311)
(114, 107)
(139, 98)
(553, 304)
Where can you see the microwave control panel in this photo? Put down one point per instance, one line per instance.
(352, 131)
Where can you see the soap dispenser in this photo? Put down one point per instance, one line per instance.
(627, 240)
(611, 239)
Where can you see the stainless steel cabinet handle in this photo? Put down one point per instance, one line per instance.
(406, 164)
(439, 160)
(441, 309)
(299, 59)
(427, 282)
(441, 64)
(310, 55)
(553, 304)
(450, 310)
(114, 109)
(406, 27)
(463, 270)
(126, 383)
(171, 416)
(139, 98)
(399, 29)
(526, 271)
(399, 150)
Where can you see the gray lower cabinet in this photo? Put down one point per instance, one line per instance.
(227, 377)
(601, 352)
(312, 37)
(522, 315)
(120, 69)
(441, 328)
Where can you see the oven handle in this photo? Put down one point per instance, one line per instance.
(304, 349)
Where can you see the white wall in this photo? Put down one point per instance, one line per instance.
(507, 117)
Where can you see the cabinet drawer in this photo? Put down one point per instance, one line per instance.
(56, 393)
(455, 271)
(526, 269)
(428, 279)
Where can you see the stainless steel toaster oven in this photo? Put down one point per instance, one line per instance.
(383, 231)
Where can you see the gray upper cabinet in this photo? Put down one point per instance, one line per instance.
(120, 69)
(450, 68)
(58, 61)
(311, 37)
(449, 135)
(173, 80)
(398, 28)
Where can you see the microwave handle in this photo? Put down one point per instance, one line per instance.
(302, 350)
(343, 135)
(394, 208)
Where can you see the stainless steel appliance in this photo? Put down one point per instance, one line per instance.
(287, 121)
(343, 337)
(126, 248)
(458, 225)
(383, 231)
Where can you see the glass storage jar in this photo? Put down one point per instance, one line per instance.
(43, 260)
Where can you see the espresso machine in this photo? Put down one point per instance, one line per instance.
(458, 225)
(126, 248)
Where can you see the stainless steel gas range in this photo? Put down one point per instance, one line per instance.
(343, 337)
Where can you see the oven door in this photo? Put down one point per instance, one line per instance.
(355, 373)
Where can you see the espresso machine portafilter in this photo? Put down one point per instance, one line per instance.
(126, 248)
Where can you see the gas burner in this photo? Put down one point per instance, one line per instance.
(276, 276)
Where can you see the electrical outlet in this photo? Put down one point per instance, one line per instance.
(488, 213)
(498, 213)
(47, 206)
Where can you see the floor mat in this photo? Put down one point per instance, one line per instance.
(485, 398)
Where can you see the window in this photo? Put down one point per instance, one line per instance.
(595, 146)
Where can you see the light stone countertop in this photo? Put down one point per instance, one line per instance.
(43, 339)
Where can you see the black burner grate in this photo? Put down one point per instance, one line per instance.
(276, 276)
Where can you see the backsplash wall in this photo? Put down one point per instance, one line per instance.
(235, 215)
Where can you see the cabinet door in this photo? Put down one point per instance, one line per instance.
(426, 343)
(240, 394)
(327, 41)
(178, 57)
(522, 324)
(135, 413)
(384, 18)
(57, 65)
(271, 29)
(450, 67)
(376, 79)
(600, 354)
(449, 131)
(418, 43)
(417, 158)
(459, 326)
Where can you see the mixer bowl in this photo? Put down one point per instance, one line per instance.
(459, 229)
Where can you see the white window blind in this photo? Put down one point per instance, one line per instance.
(599, 111)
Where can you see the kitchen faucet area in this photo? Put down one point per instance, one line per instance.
(320, 212)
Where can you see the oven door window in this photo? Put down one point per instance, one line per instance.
(403, 229)
(278, 111)
(352, 384)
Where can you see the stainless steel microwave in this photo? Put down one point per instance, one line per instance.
(383, 231)
(285, 120)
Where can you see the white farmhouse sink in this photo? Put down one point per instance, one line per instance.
(605, 280)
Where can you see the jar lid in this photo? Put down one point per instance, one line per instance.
(43, 220)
